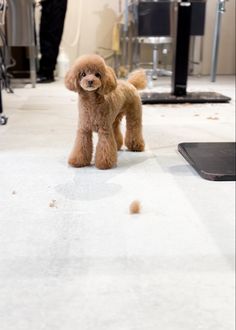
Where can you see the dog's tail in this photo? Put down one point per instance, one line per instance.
(138, 79)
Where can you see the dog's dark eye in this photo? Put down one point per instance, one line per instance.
(83, 74)
(98, 75)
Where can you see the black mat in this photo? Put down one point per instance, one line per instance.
(213, 161)
(197, 97)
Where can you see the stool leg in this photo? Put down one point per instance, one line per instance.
(155, 62)
(216, 40)
(32, 52)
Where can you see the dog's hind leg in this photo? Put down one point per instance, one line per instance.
(133, 137)
(106, 150)
(81, 154)
(117, 132)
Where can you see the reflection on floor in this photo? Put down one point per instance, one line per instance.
(71, 255)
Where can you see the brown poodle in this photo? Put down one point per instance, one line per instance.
(103, 101)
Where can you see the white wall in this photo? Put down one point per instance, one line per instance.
(88, 26)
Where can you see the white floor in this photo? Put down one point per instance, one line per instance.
(71, 255)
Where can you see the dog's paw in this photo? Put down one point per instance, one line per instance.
(104, 165)
(119, 141)
(134, 145)
(75, 162)
(119, 145)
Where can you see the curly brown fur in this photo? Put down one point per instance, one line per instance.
(103, 101)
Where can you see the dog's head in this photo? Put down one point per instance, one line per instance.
(90, 74)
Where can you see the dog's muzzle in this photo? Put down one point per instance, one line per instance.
(90, 83)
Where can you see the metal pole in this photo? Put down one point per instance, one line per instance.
(125, 34)
(181, 48)
(216, 38)
(32, 48)
(3, 119)
(32, 56)
(155, 62)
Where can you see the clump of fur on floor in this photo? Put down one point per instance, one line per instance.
(135, 207)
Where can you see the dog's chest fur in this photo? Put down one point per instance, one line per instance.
(95, 114)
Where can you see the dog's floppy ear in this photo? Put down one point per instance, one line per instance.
(71, 79)
(108, 82)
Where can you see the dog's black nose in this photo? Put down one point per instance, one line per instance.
(90, 83)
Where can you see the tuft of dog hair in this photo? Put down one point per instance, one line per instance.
(103, 101)
(138, 79)
(135, 207)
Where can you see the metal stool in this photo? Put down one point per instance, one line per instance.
(157, 41)
(152, 20)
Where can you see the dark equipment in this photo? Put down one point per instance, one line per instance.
(154, 18)
(190, 20)
(167, 98)
(212, 160)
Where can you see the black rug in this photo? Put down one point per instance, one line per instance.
(195, 97)
(213, 160)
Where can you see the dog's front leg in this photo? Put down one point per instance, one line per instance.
(106, 151)
(81, 154)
